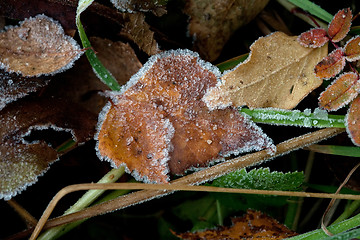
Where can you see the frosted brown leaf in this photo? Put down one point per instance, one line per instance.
(279, 73)
(38, 46)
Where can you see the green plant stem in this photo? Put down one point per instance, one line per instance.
(349, 210)
(334, 228)
(88, 198)
(294, 118)
(219, 213)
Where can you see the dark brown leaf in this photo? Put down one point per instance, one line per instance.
(37, 47)
(160, 123)
(213, 22)
(340, 25)
(254, 225)
(22, 162)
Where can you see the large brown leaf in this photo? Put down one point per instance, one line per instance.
(279, 73)
(213, 22)
(22, 162)
(253, 225)
(37, 47)
(160, 123)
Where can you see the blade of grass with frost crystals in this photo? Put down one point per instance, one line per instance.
(99, 69)
(336, 150)
(319, 118)
(313, 9)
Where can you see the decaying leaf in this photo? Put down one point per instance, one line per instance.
(136, 29)
(253, 225)
(139, 5)
(22, 162)
(213, 22)
(82, 86)
(353, 121)
(37, 47)
(279, 73)
(331, 65)
(340, 25)
(342, 91)
(315, 38)
(159, 123)
(13, 86)
(352, 49)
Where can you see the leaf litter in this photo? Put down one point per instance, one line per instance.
(278, 73)
(21, 161)
(38, 46)
(158, 123)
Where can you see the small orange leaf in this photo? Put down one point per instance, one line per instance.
(331, 65)
(253, 225)
(344, 89)
(352, 49)
(353, 121)
(314, 38)
(340, 25)
(160, 124)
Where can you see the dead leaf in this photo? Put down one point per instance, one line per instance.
(331, 65)
(140, 5)
(316, 37)
(342, 91)
(253, 225)
(22, 162)
(352, 49)
(279, 73)
(353, 121)
(13, 86)
(136, 29)
(80, 85)
(159, 122)
(340, 25)
(213, 22)
(37, 47)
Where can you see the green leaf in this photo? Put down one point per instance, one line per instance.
(348, 151)
(231, 63)
(99, 69)
(353, 234)
(262, 179)
(319, 118)
(313, 9)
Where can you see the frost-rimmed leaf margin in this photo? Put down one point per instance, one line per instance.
(314, 9)
(101, 72)
(295, 117)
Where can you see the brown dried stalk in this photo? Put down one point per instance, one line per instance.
(192, 179)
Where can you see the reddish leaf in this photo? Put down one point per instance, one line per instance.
(315, 38)
(253, 225)
(340, 25)
(343, 90)
(160, 123)
(21, 162)
(353, 121)
(331, 65)
(352, 49)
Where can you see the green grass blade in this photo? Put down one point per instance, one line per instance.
(348, 151)
(313, 9)
(99, 69)
(231, 63)
(274, 116)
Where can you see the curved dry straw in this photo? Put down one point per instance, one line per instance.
(157, 190)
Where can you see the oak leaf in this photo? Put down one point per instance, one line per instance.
(353, 121)
(253, 225)
(340, 25)
(159, 123)
(331, 65)
(213, 22)
(342, 91)
(21, 162)
(279, 73)
(37, 47)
